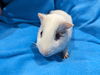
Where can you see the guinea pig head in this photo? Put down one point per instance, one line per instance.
(53, 34)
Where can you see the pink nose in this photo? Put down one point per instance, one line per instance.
(45, 53)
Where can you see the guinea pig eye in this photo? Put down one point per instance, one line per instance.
(60, 32)
(41, 33)
(57, 36)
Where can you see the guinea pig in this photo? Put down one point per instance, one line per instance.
(54, 33)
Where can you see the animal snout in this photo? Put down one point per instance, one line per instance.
(45, 53)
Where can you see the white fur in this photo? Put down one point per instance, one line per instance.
(49, 24)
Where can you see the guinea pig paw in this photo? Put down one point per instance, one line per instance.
(65, 55)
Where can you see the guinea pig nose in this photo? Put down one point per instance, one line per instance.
(45, 53)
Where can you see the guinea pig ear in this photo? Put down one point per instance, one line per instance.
(41, 16)
(68, 25)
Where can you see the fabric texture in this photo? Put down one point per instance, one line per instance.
(19, 25)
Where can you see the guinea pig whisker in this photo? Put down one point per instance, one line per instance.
(35, 44)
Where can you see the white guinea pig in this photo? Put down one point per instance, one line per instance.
(54, 33)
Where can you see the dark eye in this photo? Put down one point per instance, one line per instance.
(41, 33)
(57, 36)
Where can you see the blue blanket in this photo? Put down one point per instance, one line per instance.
(18, 31)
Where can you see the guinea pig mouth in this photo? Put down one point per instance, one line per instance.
(46, 53)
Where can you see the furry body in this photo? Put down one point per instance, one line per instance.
(50, 23)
